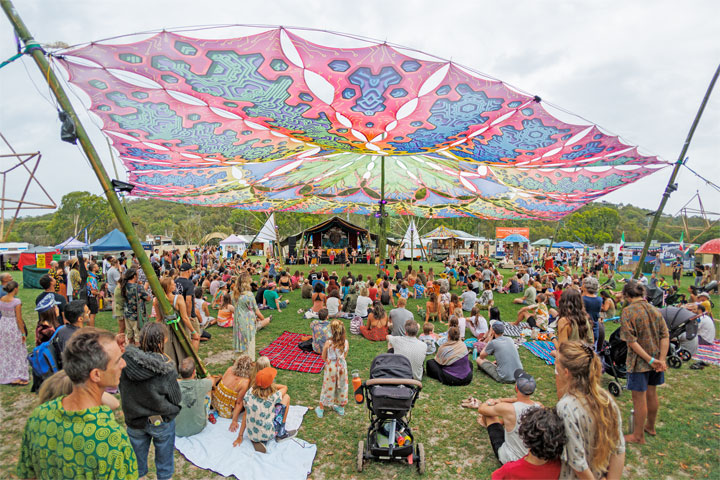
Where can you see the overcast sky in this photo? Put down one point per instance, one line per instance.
(637, 69)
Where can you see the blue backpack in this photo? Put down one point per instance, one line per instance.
(42, 359)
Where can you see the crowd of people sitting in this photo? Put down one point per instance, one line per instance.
(162, 397)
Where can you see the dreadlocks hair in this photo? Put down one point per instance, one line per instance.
(584, 384)
(543, 432)
(152, 337)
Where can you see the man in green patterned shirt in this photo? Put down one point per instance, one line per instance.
(76, 436)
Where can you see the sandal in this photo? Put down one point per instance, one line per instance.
(697, 366)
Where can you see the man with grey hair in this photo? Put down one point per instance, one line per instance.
(409, 345)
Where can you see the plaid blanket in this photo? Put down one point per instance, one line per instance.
(284, 353)
(514, 330)
(709, 353)
(542, 350)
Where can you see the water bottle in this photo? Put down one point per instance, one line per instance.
(356, 383)
(631, 426)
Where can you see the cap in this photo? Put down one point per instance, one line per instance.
(185, 267)
(222, 284)
(525, 382)
(47, 302)
(265, 377)
(498, 327)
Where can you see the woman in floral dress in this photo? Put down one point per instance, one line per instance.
(13, 332)
(335, 379)
(248, 319)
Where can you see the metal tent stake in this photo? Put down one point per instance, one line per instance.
(125, 224)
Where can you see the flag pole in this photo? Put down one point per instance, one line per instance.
(38, 54)
(671, 185)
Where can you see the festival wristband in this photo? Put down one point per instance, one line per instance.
(652, 359)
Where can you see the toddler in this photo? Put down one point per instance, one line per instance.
(429, 338)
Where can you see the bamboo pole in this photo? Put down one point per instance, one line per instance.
(671, 185)
(123, 219)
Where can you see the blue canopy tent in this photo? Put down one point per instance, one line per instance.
(515, 238)
(115, 241)
(564, 244)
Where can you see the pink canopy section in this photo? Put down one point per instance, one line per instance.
(275, 122)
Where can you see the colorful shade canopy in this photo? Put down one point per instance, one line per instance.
(274, 122)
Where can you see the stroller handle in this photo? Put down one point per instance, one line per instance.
(394, 381)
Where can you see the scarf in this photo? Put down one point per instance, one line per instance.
(451, 352)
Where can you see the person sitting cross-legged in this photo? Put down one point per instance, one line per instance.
(507, 359)
(502, 417)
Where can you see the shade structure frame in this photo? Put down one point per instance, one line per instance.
(181, 141)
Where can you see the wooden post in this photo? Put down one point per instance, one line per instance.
(38, 55)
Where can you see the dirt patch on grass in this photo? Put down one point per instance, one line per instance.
(224, 357)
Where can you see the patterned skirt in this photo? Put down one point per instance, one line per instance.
(335, 384)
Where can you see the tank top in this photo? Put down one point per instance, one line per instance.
(385, 296)
(514, 448)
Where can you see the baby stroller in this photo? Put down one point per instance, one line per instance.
(391, 393)
(679, 320)
(613, 356)
(655, 296)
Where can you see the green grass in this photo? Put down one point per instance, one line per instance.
(687, 443)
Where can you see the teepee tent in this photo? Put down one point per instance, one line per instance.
(267, 235)
(411, 244)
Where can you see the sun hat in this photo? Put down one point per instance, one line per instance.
(47, 302)
(265, 377)
(703, 294)
(525, 382)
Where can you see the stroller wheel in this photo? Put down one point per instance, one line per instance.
(684, 354)
(360, 456)
(421, 458)
(674, 361)
(615, 389)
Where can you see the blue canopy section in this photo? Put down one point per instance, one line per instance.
(515, 238)
(114, 241)
(564, 244)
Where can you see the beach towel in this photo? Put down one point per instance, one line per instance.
(709, 353)
(542, 350)
(284, 353)
(514, 330)
(212, 449)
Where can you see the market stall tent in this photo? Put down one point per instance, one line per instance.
(115, 241)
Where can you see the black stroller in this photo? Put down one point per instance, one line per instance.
(613, 356)
(391, 393)
(655, 296)
(679, 320)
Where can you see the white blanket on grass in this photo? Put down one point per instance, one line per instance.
(212, 449)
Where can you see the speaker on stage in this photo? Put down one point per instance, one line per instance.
(291, 247)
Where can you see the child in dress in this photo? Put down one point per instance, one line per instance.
(476, 323)
(226, 313)
(335, 379)
(429, 337)
(486, 299)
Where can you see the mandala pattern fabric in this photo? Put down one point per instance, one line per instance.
(274, 122)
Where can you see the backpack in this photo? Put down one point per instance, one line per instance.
(43, 357)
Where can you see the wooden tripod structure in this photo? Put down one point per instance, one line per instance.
(687, 210)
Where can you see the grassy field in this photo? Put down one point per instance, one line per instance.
(686, 446)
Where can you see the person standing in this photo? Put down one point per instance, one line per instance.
(97, 446)
(186, 289)
(13, 333)
(151, 400)
(112, 277)
(247, 318)
(93, 291)
(646, 334)
(133, 297)
(593, 306)
(334, 391)
(174, 348)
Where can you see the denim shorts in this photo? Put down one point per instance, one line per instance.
(638, 382)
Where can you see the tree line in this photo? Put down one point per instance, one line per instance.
(595, 223)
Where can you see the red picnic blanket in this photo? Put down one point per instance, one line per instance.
(284, 353)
